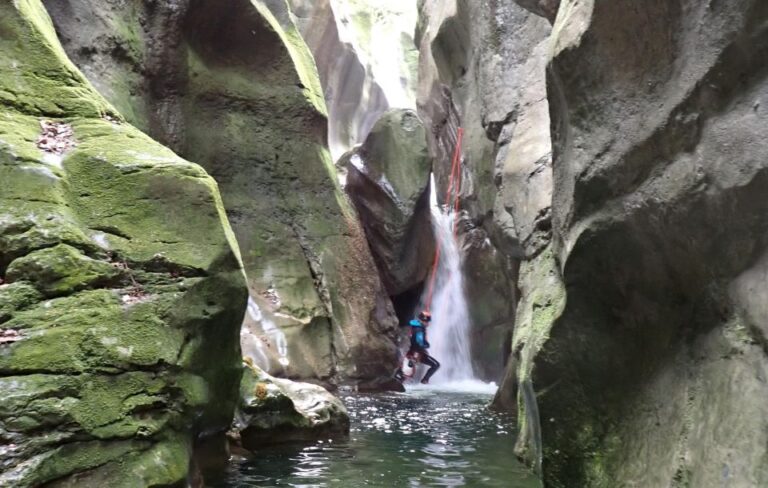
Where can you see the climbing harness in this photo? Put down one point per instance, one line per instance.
(451, 194)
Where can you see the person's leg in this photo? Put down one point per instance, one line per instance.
(433, 364)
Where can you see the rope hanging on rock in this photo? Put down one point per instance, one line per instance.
(451, 194)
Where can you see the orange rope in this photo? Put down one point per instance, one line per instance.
(454, 186)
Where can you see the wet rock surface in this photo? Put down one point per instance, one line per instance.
(274, 411)
(366, 59)
(483, 69)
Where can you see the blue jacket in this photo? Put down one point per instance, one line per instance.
(418, 335)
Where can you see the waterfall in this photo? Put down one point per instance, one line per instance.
(449, 332)
(262, 340)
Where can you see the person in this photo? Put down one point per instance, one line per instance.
(420, 344)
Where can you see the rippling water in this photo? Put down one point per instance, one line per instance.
(425, 437)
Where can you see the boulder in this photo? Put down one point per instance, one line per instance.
(278, 411)
(121, 286)
(388, 182)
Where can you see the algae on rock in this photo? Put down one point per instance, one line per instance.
(235, 89)
(122, 284)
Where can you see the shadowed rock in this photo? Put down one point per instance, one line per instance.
(121, 287)
(388, 182)
(660, 229)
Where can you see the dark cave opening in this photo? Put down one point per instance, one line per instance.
(406, 302)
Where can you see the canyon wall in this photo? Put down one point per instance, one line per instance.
(639, 351)
(658, 358)
(236, 90)
(121, 286)
(366, 59)
(482, 68)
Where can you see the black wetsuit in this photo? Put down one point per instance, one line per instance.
(419, 345)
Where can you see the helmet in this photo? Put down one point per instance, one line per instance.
(425, 316)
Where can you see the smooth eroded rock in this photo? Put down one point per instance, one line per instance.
(236, 90)
(277, 411)
(659, 228)
(388, 182)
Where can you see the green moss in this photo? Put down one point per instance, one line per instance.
(161, 464)
(120, 179)
(34, 69)
(265, 404)
(16, 296)
(94, 330)
(299, 52)
(101, 389)
(78, 456)
(543, 302)
(61, 270)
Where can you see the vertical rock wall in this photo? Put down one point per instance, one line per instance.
(482, 68)
(658, 358)
(639, 354)
(366, 59)
(236, 90)
(121, 287)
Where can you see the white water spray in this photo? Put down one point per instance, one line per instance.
(449, 332)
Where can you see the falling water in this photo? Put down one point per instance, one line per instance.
(449, 332)
(261, 339)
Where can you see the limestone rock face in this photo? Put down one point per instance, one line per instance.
(121, 287)
(366, 59)
(388, 182)
(637, 220)
(658, 357)
(484, 69)
(236, 90)
(274, 411)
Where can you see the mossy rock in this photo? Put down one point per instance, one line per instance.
(261, 133)
(61, 270)
(123, 289)
(276, 411)
(15, 297)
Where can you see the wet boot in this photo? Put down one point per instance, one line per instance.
(399, 375)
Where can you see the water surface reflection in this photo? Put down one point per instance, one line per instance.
(426, 437)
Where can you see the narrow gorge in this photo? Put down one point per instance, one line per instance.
(235, 235)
